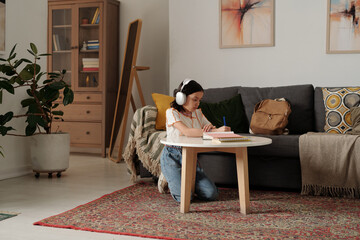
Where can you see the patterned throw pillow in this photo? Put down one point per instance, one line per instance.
(338, 102)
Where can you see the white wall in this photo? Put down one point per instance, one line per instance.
(153, 46)
(298, 57)
(26, 21)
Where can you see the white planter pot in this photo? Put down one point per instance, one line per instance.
(50, 153)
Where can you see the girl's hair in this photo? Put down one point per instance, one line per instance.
(188, 89)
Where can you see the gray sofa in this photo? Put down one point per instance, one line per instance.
(276, 165)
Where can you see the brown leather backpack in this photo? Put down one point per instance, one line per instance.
(270, 117)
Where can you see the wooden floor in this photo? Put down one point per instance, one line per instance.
(88, 177)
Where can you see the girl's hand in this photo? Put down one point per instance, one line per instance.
(208, 128)
(224, 129)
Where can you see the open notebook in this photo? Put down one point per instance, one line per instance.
(225, 137)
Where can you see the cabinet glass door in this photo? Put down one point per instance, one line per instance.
(88, 60)
(61, 42)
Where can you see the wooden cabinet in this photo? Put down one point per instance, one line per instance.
(83, 39)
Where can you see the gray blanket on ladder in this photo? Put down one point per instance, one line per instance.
(330, 164)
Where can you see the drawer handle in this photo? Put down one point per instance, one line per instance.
(88, 97)
(87, 133)
(87, 111)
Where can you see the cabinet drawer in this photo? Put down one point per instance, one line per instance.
(81, 112)
(84, 133)
(86, 98)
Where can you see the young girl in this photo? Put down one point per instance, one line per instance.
(184, 118)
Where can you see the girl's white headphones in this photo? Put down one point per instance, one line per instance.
(180, 96)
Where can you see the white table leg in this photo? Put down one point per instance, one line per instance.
(187, 176)
(243, 179)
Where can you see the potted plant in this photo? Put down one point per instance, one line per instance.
(41, 104)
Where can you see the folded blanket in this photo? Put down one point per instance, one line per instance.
(330, 164)
(144, 140)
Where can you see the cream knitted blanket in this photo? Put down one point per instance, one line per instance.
(330, 164)
(144, 140)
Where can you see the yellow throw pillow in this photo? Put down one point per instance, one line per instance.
(338, 102)
(162, 103)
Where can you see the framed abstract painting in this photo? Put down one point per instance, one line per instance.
(343, 29)
(2, 26)
(246, 23)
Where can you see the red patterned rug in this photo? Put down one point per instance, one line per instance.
(140, 210)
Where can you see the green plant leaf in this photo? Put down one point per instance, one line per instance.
(19, 81)
(45, 54)
(12, 57)
(7, 86)
(28, 102)
(4, 130)
(54, 75)
(47, 81)
(26, 60)
(68, 96)
(33, 48)
(1, 96)
(55, 105)
(63, 71)
(34, 108)
(2, 59)
(28, 91)
(30, 130)
(31, 52)
(35, 119)
(58, 113)
(12, 50)
(38, 77)
(1, 153)
(7, 70)
(57, 85)
(6, 118)
(50, 94)
(18, 63)
(25, 74)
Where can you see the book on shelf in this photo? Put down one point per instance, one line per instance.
(90, 69)
(92, 44)
(56, 47)
(90, 64)
(225, 137)
(96, 14)
(92, 47)
(97, 19)
(90, 59)
(59, 42)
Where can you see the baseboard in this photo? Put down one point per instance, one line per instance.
(14, 172)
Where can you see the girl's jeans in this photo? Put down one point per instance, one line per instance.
(170, 161)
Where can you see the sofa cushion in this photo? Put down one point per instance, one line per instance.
(214, 95)
(337, 102)
(355, 120)
(232, 109)
(301, 98)
(281, 146)
(319, 110)
(162, 103)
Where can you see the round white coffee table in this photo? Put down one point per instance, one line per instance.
(192, 146)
